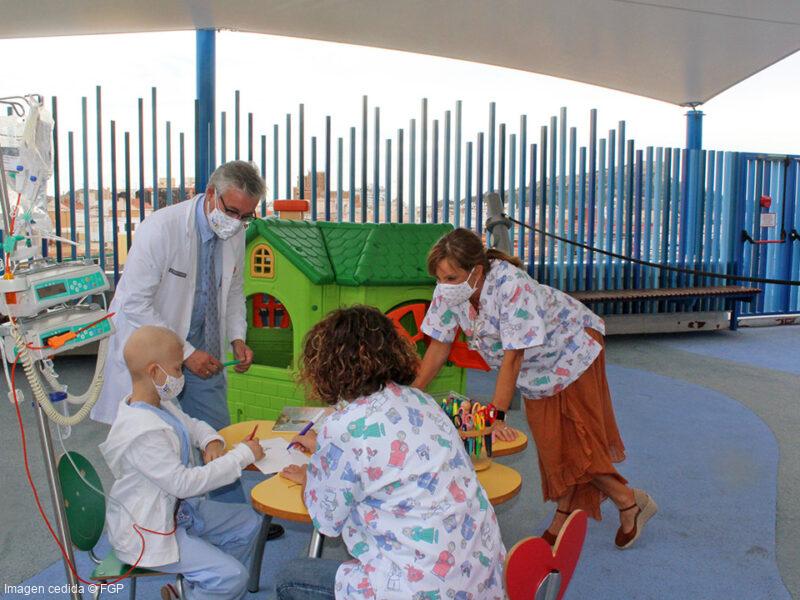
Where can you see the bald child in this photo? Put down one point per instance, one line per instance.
(158, 489)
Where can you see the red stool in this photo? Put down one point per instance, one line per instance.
(535, 571)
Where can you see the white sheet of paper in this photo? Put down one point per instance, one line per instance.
(277, 457)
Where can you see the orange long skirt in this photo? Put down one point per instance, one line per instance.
(576, 437)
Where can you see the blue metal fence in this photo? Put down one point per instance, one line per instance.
(680, 207)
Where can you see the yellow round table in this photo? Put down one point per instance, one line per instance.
(501, 448)
(280, 498)
(233, 434)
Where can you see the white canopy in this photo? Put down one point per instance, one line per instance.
(678, 51)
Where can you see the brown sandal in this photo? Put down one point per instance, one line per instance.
(647, 508)
(550, 537)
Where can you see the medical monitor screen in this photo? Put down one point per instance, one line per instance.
(51, 290)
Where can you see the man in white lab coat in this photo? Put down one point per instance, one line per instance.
(184, 272)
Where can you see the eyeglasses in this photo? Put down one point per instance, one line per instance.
(234, 213)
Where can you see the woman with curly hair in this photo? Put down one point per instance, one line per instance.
(551, 348)
(389, 474)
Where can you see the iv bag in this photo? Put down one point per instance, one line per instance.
(27, 156)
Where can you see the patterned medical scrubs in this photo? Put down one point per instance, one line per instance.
(391, 476)
(517, 313)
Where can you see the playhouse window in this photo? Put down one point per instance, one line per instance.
(262, 263)
(269, 331)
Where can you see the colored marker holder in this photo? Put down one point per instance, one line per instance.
(475, 424)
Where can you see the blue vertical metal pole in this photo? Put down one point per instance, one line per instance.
(182, 166)
(141, 159)
(592, 193)
(532, 210)
(206, 94)
(264, 172)
(435, 171)
(128, 226)
(71, 168)
(114, 218)
(523, 163)
(412, 172)
(101, 242)
(250, 136)
(289, 159)
(468, 190)
(301, 126)
(237, 134)
(511, 204)
(56, 178)
(446, 174)
(490, 166)
(387, 206)
(479, 186)
(501, 165)
(313, 178)
(400, 167)
(328, 168)
(620, 203)
(169, 163)
(694, 142)
(581, 272)
(339, 178)
(352, 213)
(223, 137)
(543, 224)
(276, 142)
(552, 222)
(87, 250)
(561, 209)
(457, 182)
(423, 163)
(376, 168)
(364, 151)
(694, 130)
(154, 122)
(570, 250)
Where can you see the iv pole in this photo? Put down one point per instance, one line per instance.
(45, 436)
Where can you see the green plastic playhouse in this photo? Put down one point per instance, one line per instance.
(298, 271)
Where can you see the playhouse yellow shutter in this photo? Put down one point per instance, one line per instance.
(262, 263)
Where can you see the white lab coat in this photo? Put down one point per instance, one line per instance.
(143, 452)
(157, 288)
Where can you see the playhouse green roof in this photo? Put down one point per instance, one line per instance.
(353, 254)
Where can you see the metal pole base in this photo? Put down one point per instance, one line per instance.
(258, 555)
(315, 547)
(549, 588)
(58, 500)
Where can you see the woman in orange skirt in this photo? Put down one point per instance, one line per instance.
(551, 348)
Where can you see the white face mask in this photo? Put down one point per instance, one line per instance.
(456, 293)
(171, 387)
(224, 226)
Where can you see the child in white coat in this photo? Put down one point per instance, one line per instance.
(158, 493)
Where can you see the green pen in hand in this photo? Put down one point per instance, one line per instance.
(231, 363)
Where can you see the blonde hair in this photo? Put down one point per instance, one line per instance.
(464, 249)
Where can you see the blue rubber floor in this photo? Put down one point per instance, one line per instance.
(776, 348)
(709, 462)
(711, 466)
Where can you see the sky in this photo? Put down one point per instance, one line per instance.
(275, 74)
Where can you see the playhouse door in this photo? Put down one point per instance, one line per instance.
(408, 321)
